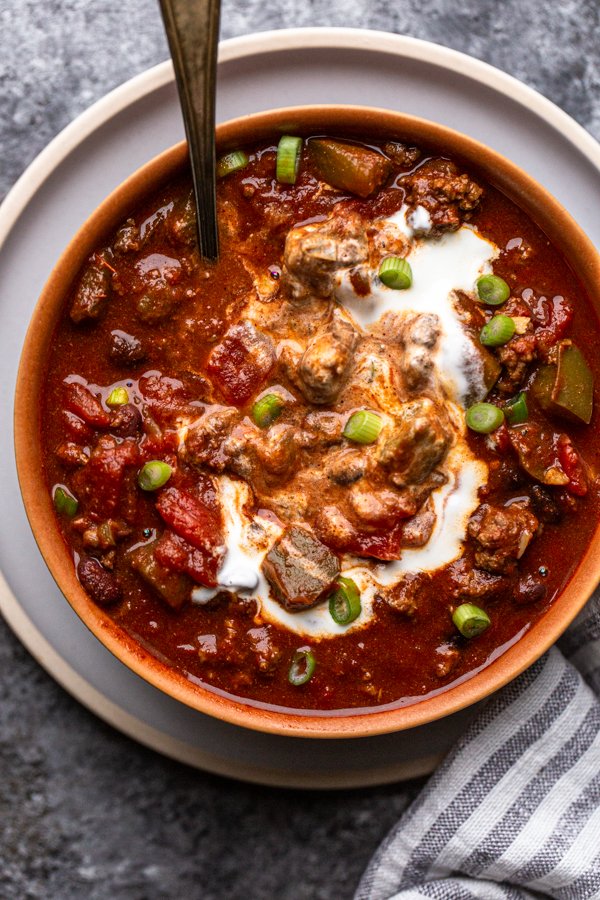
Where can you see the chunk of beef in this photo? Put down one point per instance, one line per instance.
(175, 588)
(516, 357)
(345, 467)
(277, 449)
(206, 439)
(240, 363)
(125, 349)
(404, 597)
(447, 658)
(418, 529)
(300, 569)
(326, 361)
(438, 187)
(323, 429)
(102, 586)
(468, 584)
(155, 306)
(544, 505)
(128, 238)
(93, 292)
(315, 253)
(420, 335)
(126, 421)
(418, 443)
(181, 224)
(501, 535)
(71, 454)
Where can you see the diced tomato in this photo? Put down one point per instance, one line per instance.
(573, 466)
(81, 401)
(165, 397)
(196, 519)
(103, 479)
(240, 363)
(176, 554)
(555, 316)
(337, 532)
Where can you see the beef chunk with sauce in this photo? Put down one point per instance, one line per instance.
(125, 349)
(175, 588)
(404, 597)
(501, 535)
(93, 292)
(300, 569)
(418, 443)
(315, 253)
(326, 361)
(206, 439)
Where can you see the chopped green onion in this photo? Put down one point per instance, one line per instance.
(396, 273)
(64, 502)
(492, 290)
(484, 417)
(232, 162)
(498, 331)
(267, 409)
(117, 397)
(154, 474)
(363, 427)
(288, 159)
(302, 666)
(470, 620)
(344, 603)
(516, 411)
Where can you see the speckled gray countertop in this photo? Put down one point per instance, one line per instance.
(85, 812)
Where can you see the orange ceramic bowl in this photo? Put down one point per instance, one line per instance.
(341, 121)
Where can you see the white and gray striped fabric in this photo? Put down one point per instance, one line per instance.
(514, 810)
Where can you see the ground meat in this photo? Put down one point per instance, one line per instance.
(403, 155)
(326, 361)
(501, 535)
(443, 192)
(516, 357)
(315, 253)
(417, 444)
(300, 569)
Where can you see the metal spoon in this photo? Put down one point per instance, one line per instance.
(192, 28)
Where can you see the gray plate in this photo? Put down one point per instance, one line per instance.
(62, 187)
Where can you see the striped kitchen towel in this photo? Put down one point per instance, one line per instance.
(514, 810)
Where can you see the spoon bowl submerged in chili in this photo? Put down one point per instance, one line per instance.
(343, 481)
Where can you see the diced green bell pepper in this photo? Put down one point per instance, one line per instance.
(567, 388)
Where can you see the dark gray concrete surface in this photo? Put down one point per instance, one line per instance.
(85, 812)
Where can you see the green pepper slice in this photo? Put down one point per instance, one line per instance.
(567, 388)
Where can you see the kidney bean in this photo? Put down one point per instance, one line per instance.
(102, 586)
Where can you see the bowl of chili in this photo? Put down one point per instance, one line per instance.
(323, 487)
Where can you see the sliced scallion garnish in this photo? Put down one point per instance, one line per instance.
(516, 411)
(302, 666)
(498, 331)
(117, 397)
(232, 162)
(154, 474)
(470, 620)
(344, 603)
(288, 159)
(267, 409)
(484, 417)
(363, 427)
(492, 290)
(396, 273)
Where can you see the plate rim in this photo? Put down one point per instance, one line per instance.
(33, 178)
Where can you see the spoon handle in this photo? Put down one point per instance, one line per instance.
(192, 28)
